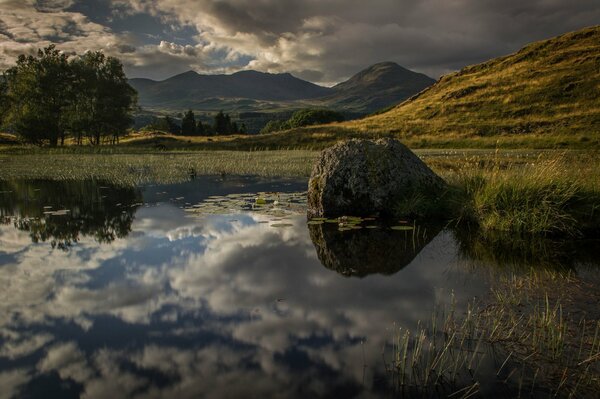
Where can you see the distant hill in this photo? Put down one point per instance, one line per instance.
(189, 89)
(550, 87)
(378, 86)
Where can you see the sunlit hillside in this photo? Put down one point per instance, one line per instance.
(550, 87)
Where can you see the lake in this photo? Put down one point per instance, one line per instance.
(198, 290)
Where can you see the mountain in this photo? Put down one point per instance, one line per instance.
(190, 88)
(547, 89)
(377, 87)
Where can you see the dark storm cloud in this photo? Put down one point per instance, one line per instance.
(321, 40)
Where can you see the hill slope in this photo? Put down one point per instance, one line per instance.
(376, 87)
(550, 87)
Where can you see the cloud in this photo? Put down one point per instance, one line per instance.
(339, 37)
(207, 306)
(323, 41)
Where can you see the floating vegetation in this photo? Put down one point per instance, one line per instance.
(402, 228)
(315, 222)
(61, 212)
(274, 204)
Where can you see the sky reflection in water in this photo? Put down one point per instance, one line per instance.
(220, 306)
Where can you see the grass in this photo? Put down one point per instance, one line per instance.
(530, 332)
(546, 92)
(135, 169)
(550, 196)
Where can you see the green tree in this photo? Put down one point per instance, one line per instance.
(172, 126)
(46, 96)
(306, 117)
(273, 126)
(103, 100)
(220, 126)
(188, 124)
(36, 92)
(200, 129)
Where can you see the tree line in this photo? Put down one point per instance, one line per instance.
(189, 126)
(304, 117)
(49, 97)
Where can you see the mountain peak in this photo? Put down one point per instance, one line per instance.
(384, 75)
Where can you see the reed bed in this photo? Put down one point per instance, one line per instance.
(516, 345)
(136, 169)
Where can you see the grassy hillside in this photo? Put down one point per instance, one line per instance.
(547, 88)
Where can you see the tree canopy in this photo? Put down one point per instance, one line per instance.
(304, 117)
(50, 96)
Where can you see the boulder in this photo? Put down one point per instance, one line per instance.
(366, 177)
(359, 253)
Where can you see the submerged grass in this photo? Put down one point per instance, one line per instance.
(529, 339)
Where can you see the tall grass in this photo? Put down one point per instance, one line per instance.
(135, 169)
(545, 197)
(523, 345)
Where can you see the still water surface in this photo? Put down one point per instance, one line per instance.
(112, 291)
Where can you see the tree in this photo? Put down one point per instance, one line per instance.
(47, 96)
(220, 125)
(36, 92)
(172, 126)
(304, 117)
(103, 100)
(273, 126)
(188, 124)
(200, 129)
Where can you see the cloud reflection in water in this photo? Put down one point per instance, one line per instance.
(187, 307)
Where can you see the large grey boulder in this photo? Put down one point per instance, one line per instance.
(366, 177)
(359, 253)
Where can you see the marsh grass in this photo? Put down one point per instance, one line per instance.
(547, 196)
(135, 169)
(517, 192)
(531, 343)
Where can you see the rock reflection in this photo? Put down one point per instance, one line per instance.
(60, 212)
(359, 253)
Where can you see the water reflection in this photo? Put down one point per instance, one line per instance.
(362, 252)
(216, 306)
(62, 212)
(503, 251)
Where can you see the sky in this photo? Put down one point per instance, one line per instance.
(323, 41)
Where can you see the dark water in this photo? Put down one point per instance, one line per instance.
(118, 292)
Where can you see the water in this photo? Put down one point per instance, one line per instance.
(115, 291)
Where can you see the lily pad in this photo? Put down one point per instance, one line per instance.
(402, 228)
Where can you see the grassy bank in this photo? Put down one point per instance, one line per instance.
(549, 196)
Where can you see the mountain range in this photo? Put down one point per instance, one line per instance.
(376, 87)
